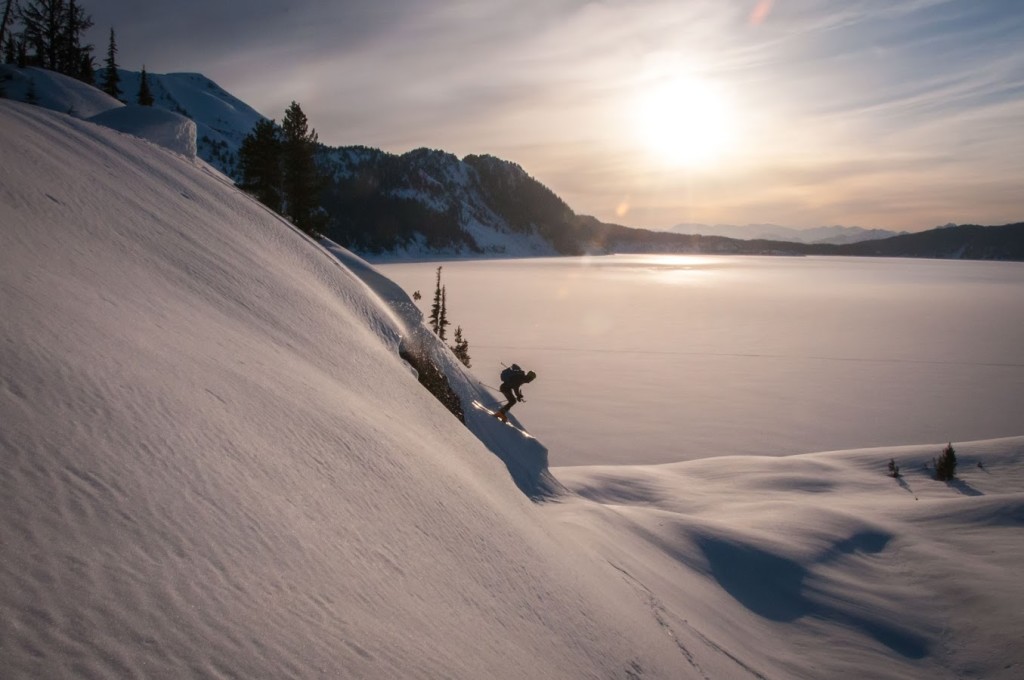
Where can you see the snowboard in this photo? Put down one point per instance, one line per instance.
(494, 414)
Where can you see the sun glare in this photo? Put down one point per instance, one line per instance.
(686, 122)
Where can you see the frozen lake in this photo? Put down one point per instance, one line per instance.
(657, 359)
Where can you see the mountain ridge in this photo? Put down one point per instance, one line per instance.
(429, 204)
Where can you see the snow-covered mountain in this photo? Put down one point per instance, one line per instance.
(430, 202)
(216, 463)
(836, 235)
(222, 120)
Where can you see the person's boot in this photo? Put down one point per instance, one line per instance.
(500, 415)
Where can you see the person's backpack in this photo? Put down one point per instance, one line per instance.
(510, 373)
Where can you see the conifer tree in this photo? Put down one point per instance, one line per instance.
(301, 180)
(21, 58)
(945, 465)
(259, 162)
(43, 23)
(77, 22)
(10, 50)
(145, 97)
(87, 69)
(111, 79)
(435, 309)
(461, 348)
(443, 316)
(6, 38)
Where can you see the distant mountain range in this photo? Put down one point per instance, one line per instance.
(774, 232)
(430, 204)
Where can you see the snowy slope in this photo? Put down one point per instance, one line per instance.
(54, 91)
(222, 120)
(170, 130)
(216, 465)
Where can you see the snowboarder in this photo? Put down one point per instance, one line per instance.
(512, 380)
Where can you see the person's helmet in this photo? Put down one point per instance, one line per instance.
(530, 376)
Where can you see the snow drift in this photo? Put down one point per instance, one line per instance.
(170, 130)
(216, 464)
(54, 91)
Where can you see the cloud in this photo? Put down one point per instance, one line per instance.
(832, 95)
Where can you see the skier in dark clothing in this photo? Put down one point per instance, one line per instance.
(512, 380)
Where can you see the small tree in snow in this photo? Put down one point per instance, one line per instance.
(111, 79)
(435, 309)
(894, 469)
(442, 321)
(461, 348)
(945, 465)
(145, 97)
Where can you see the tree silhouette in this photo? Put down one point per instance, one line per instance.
(145, 97)
(302, 181)
(259, 162)
(435, 309)
(945, 464)
(461, 348)
(111, 79)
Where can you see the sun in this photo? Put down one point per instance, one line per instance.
(686, 122)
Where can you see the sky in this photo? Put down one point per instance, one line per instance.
(650, 113)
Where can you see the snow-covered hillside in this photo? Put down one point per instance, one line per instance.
(215, 464)
(220, 120)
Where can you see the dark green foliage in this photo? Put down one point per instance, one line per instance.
(964, 242)
(442, 321)
(526, 204)
(439, 320)
(42, 26)
(259, 164)
(945, 464)
(73, 53)
(6, 39)
(435, 309)
(53, 30)
(87, 69)
(301, 178)
(10, 51)
(366, 208)
(111, 79)
(894, 469)
(145, 97)
(461, 348)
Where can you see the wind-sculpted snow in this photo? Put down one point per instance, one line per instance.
(160, 126)
(54, 91)
(216, 464)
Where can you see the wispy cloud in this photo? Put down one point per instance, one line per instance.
(833, 96)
